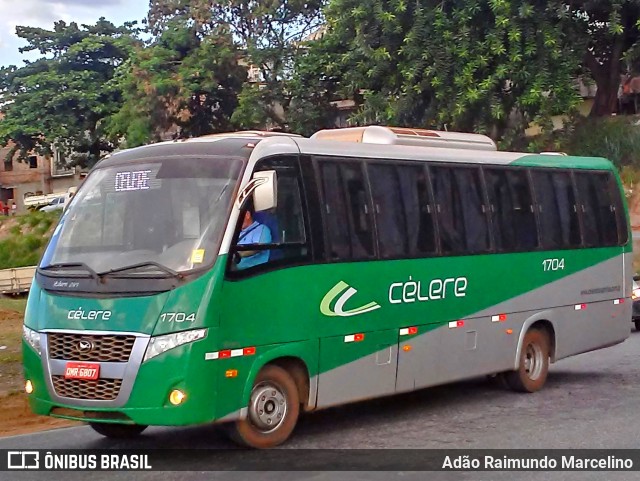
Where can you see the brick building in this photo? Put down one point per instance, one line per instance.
(36, 176)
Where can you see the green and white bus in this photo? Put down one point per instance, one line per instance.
(246, 278)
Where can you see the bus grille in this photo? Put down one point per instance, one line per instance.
(104, 348)
(100, 389)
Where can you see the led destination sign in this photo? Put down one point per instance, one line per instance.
(134, 180)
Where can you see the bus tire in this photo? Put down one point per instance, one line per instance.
(637, 324)
(533, 365)
(118, 431)
(274, 407)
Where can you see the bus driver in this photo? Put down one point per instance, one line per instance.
(253, 232)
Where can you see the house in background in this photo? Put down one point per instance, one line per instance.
(38, 175)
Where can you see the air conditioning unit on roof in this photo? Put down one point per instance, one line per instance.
(376, 134)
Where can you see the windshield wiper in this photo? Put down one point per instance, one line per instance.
(71, 265)
(157, 265)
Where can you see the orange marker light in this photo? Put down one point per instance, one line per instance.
(509, 331)
(231, 373)
(406, 348)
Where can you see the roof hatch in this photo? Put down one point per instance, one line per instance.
(376, 134)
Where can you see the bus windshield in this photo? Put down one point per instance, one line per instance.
(167, 215)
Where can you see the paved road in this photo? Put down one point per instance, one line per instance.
(590, 401)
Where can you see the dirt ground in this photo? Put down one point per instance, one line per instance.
(15, 415)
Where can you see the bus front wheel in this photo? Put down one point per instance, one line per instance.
(119, 431)
(533, 365)
(273, 410)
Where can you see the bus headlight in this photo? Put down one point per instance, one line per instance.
(32, 337)
(159, 344)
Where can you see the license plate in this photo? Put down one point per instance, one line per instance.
(82, 370)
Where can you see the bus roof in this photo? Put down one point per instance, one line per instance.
(253, 145)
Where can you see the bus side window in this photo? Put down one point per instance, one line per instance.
(462, 216)
(501, 208)
(618, 205)
(523, 216)
(347, 211)
(335, 212)
(276, 235)
(418, 209)
(606, 207)
(449, 210)
(476, 223)
(390, 215)
(598, 213)
(559, 227)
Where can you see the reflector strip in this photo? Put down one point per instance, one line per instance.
(245, 351)
(408, 331)
(618, 301)
(580, 307)
(454, 324)
(499, 318)
(354, 338)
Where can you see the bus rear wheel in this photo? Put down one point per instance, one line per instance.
(274, 407)
(118, 431)
(533, 365)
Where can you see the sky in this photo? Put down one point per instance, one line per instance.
(43, 13)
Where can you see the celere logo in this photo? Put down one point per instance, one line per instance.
(81, 314)
(338, 309)
(436, 289)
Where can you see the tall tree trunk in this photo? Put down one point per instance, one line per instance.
(607, 77)
(606, 100)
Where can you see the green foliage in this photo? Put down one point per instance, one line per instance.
(269, 35)
(23, 246)
(469, 65)
(615, 138)
(61, 99)
(182, 80)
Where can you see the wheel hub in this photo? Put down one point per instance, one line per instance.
(533, 361)
(268, 406)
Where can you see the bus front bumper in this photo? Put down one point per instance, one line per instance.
(146, 399)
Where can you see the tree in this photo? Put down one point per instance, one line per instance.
(607, 32)
(62, 99)
(314, 87)
(183, 81)
(471, 65)
(270, 36)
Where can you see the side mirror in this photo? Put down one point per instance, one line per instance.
(264, 187)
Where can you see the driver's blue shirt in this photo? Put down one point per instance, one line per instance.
(254, 234)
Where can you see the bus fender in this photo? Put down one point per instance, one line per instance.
(539, 316)
(305, 351)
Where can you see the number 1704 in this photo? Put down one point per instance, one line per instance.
(553, 264)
